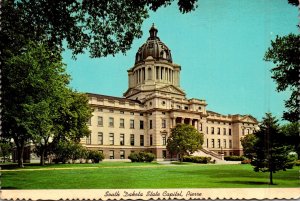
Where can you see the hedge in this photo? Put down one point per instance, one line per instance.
(141, 157)
(234, 158)
(197, 159)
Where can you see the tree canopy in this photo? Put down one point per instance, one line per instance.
(184, 139)
(284, 53)
(102, 27)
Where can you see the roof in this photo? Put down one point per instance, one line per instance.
(100, 96)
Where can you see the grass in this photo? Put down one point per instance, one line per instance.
(120, 175)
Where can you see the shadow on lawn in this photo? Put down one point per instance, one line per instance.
(246, 182)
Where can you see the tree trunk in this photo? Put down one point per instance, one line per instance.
(42, 153)
(271, 178)
(20, 151)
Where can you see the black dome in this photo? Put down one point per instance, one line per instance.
(153, 47)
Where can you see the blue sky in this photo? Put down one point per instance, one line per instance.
(220, 47)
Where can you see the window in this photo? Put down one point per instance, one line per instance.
(207, 143)
(121, 112)
(141, 140)
(163, 125)
(213, 143)
(164, 153)
(131, 123)
(100, 138)
(132, 139)
(111, 122)
(99, 109)
(206, 130)
(151, 140)
(229, 131)
(122, 154)
(141, 114)
(230, 143)
(243, 131)
(186, 107)
(150, 124)
(224, 143)
(224, 131)
(122, 139)
(219, 131)
(200, 126)
(111, 111)
(141, 124)
(212, 130)
(131, 113)
(111, 139)
(100, 121)
(89, 139)
(219, 143)
(111, 154)
(164, 139)
(248, 131)
(122, 124)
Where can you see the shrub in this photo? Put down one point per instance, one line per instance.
(234, 158)
(197, 159)
(141, 157)
(297, 163)
(95, 156)
(292, 160)
(246, 161)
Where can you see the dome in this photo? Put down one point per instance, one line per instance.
(153, 47)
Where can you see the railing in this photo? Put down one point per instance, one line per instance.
(214, 154)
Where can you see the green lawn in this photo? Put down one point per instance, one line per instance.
(112, 175)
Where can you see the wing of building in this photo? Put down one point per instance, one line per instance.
(153, 104)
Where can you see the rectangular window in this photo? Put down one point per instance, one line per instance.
(121, 112)
(164, 139)
(200, 126)
(164, 153)
(100, 138)
(89, 139)
(150, 124)
(132, 139)
(207, 143)
(151, 140)
(111, 154)
(111, 122)
(131, 113)
(229, 131)
(141, 140)
(157, 73)
(219, 143)
(111, 139)
(224, 131)
(230, 143)
(122, 154)
(212, 130)
(213, 143)
(131, 123)
(219, 131)
(141, 124)
(248, 131)
(163, 125)
(243, 131)
(99, 109)
(122, 124)
(224, 143)
(100, 121)
(122, 139)
(111, 111)
(206, 130)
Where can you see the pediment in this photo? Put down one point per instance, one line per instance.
(249, 119)
(172, 89)
(131, 92)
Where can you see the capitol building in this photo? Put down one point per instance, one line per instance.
(152, 105)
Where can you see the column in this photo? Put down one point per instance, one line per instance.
(174, 122)
(159, 73)
(182, 120)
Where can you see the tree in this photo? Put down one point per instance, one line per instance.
(184, 139)
(5, 149)
(103, 27)
(248, 143)
(271, 155)
(284, 53)
(292, 137)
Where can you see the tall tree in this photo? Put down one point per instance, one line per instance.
(271, 155)
(36, 93)
(284, 53)
(184, 139)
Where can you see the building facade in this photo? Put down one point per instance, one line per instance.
(153, 104)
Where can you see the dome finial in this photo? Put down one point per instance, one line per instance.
(153, 32)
